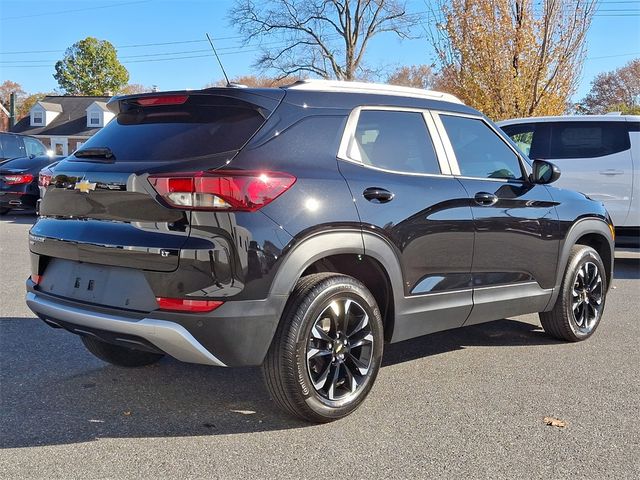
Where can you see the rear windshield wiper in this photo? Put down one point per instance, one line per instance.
(99, 153)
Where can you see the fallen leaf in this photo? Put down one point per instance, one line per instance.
(127, 413)
(554, 422)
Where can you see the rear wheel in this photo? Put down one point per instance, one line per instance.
(580, 303)
(119, 356)
(327, 350)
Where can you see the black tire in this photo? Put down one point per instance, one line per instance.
(119, 356)
(571, 318)
(309, 324)
(4, 211)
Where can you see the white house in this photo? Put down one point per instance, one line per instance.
(64, 123)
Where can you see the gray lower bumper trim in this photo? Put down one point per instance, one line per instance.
(169, 337)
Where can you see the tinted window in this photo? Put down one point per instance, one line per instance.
(178, 131)
(34, 147)
(12, 146)
(396, 141)
(479, 150)
(522, 134)
(588, 139)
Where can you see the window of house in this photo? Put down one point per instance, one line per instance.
(397, 141)
(479, 150)
(38, 118)
(94, 119)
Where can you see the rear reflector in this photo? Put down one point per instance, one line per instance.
(230, 190)
(36, 279)
(18, 179)
(161, 100)
(186, 305)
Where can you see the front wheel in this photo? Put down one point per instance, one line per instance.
(327, 350)
(580, 303)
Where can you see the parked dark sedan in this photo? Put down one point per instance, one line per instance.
(19, 182)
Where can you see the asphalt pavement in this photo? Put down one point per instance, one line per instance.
(467, 403)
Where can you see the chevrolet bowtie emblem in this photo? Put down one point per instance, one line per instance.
(84, 186)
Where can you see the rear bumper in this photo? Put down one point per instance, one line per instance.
(17, 200)
(237, 334)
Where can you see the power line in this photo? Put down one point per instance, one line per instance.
(61, 12)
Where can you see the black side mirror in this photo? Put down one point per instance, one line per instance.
(544, 172)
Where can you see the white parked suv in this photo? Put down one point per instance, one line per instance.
(599, 155)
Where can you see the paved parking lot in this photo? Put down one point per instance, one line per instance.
(468, 402)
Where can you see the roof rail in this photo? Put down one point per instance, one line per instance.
(370, 88)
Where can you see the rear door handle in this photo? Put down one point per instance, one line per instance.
(377, 195)
(611, 171)
(485, 199)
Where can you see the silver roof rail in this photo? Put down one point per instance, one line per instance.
(370, 88)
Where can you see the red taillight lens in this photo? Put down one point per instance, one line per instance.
(222, 189)
(36, 279)
(44, 180)
(161, 100)
(18, 179)
(186, 305)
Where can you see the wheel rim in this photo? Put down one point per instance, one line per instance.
(340, 349)
(586, 301)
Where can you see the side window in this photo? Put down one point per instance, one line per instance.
(12, 146)
(522, 134)
(34, 147)
(397, 141)
(480, 152)
(588, 139)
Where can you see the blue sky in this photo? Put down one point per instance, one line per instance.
(45, 29)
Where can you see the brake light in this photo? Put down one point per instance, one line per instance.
(161, 100)
(186, 305)
(230, 190)
(36, 279)
(44, 180)
(18, 179)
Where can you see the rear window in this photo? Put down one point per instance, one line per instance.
(563, 140)
(200, 127)
(12, 146)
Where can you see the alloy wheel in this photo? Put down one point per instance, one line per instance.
(340, 349)
(587, 296)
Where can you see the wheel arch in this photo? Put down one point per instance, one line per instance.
(593, 232)
(372, 261)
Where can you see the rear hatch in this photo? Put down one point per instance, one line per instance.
(100, 206)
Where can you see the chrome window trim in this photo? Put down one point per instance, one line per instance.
(451, 156)
(347, 153)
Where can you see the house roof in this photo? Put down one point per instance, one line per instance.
(72, 121)
(52, 107)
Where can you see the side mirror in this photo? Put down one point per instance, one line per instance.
(544, 172)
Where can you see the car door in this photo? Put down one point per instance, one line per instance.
(405, 195)
(594, 158)
(516, 242)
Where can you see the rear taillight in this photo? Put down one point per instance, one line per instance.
(44, 180)
(186, 305)
(18, 179)
(36, 278)
(228, 190)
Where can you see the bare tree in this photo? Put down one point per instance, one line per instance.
(255, 81)
(512, 58)
(615, 90)
(327, 38)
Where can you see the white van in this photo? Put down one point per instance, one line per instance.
(598, 155)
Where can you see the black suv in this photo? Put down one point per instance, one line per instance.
(301, 228)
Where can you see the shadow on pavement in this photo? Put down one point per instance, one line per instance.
(23, 217)
(54, 392)
(627, 269)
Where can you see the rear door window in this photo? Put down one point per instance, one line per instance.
(395, 140)
(479, 151)
(200, 127)
(587, 139)
(34, 147)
